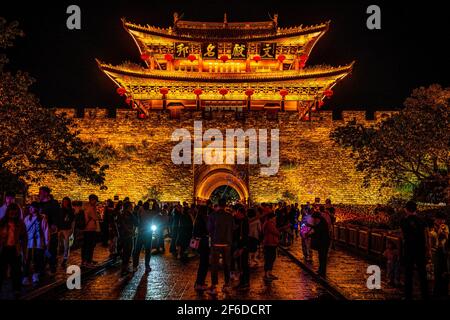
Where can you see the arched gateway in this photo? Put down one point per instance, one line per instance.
(209, 178)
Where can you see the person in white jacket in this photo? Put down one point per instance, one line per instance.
(38, 240)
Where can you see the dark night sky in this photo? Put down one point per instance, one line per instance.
(409, 51)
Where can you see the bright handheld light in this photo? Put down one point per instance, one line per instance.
(153, 228)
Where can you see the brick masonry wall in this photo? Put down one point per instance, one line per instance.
(138, 153)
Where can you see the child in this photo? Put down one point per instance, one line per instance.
(393, 263)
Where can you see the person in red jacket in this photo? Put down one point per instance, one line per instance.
(271, 239)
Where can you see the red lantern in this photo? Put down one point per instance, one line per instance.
(164, 91)
(321, 103)
(249, 92)
(281, 58)
(128, 101)
(304, 57)
(198, 91)
(284, 92)
(192, 58)
(328, 93)
(145, 56)
(313, 109)
(223, 91)
(257, 58)
(306, 117)
(168, 57)
(301, 65)
(121, 91)
(224, 58)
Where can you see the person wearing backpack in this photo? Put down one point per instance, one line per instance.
(38, 240)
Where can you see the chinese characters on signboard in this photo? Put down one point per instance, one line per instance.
(239, 51)
(181, 50)
(267, 50)
(209, 51)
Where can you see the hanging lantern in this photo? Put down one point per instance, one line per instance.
(257, 58)
(306, 117)
(198, 91)
(281, 58)
(192, 58)
(284, 92)
(313, 109)
(164, 91)
(321, 103)
(121, 91)
(224, 58)
(304, 57)
(168, 57)
(249, 92)
(328, 93)
(128, 101)
(223, 91)
(145, 56)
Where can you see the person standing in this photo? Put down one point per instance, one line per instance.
(392, 256)
(415, 249)
(13, 246)
(241, 252)
(440, 257)
(115, 244)
(107, 216)
(254, 235)
(51, 209)
(127, 224)
(176, 214)
(220, 228)
(90, 232)
(271, 241)
(305, 229)
(159, 222)
(184, 232)
(38, 240)
(10, 197)
(144, 221)
(66, 227)
(320, 241)
(200, 232)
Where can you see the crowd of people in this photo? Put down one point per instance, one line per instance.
(232, 237)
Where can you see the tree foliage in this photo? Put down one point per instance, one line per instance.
(35, 140)
(410, 148)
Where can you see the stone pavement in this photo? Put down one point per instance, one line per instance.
(348, 273)
(171, 279)
(101, 254)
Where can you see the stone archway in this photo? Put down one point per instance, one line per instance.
(217, 177)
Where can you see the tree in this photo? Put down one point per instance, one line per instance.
(35, 141)
(153, 193)
(408, 150)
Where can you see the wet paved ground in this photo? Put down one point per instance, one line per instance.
(172, 280)
(100, 254)
(348, 272)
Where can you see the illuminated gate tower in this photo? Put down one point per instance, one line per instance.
(240, 65)
(234, 66)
